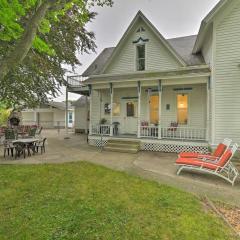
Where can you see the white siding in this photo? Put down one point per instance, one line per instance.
(207, 48)
(81, 118)
(158, 58)
(227, 77)
(196, 110)
(197, 105)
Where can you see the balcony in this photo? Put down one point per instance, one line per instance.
(75, 84)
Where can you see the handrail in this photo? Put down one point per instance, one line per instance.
(76, 81)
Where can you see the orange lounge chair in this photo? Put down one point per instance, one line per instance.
(222, 168)
(220, 150)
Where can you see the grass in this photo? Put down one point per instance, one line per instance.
(87, 202)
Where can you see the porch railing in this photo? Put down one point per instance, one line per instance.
(184, 133)
(76, 81)
(149, 131)
(152, 132)
(104, 130)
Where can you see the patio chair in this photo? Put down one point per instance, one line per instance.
(220, 150)
(8, 148)
(223, 168)
(41, 145)
(173, 126)
(32, 132)
(20, 149)
(39, 131)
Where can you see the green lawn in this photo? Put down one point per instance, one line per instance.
(83, 201)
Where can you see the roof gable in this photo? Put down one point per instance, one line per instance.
(140, 16)
(206, 23)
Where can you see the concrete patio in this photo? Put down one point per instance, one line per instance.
(150, 165)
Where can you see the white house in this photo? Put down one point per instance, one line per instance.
(81, 115)
(49, 115)
(169, 94)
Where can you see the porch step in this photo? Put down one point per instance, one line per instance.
(125, 146)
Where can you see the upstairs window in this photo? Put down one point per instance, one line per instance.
(141, 57)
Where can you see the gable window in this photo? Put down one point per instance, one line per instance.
(182, 108)
(141, 57)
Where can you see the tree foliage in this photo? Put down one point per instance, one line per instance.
(37, 71)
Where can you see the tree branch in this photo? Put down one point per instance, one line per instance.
(25, 43)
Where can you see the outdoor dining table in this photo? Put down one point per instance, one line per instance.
(29, 142)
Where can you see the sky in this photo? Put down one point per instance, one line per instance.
(173, 18)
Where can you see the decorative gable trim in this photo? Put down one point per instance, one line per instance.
(155, 31)
(140, 40)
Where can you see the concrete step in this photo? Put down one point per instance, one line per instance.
(123, 141)
(118, 145)
(127, 145)
(119, 149)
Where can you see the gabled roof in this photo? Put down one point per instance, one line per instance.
(97, 66)
(183, 46)
(206, 23)
(140, 15)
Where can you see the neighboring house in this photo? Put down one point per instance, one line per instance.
(49, 115)
(171, 94)
(81, 110)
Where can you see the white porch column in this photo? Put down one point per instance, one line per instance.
(159, 109)
(139, 109)
(111, 112)
(208, 110)
(90, 108)
(66, 112)
(86, 109)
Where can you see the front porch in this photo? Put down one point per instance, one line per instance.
(155, 110)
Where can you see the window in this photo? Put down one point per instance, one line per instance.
(154, 109)
(107, 108)
(182, 108)
(70, 117)
(116, 109)
(130, 109)
(140, 57)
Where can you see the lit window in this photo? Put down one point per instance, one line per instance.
(116, 109)
(182, 105)
(140, 57)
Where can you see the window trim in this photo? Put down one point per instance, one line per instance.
(188, 109)
(137, 59)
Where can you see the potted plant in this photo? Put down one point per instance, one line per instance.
(103, 121)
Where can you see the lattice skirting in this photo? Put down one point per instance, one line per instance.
(172, 148)
(97, 142)
(159, 147)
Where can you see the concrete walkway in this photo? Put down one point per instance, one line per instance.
(150, 165)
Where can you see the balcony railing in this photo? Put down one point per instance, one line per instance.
(76, 81)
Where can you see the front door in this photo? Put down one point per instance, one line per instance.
(130, 108)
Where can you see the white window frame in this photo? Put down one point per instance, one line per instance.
(136, 59)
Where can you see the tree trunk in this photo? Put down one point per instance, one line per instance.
(25, 43)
